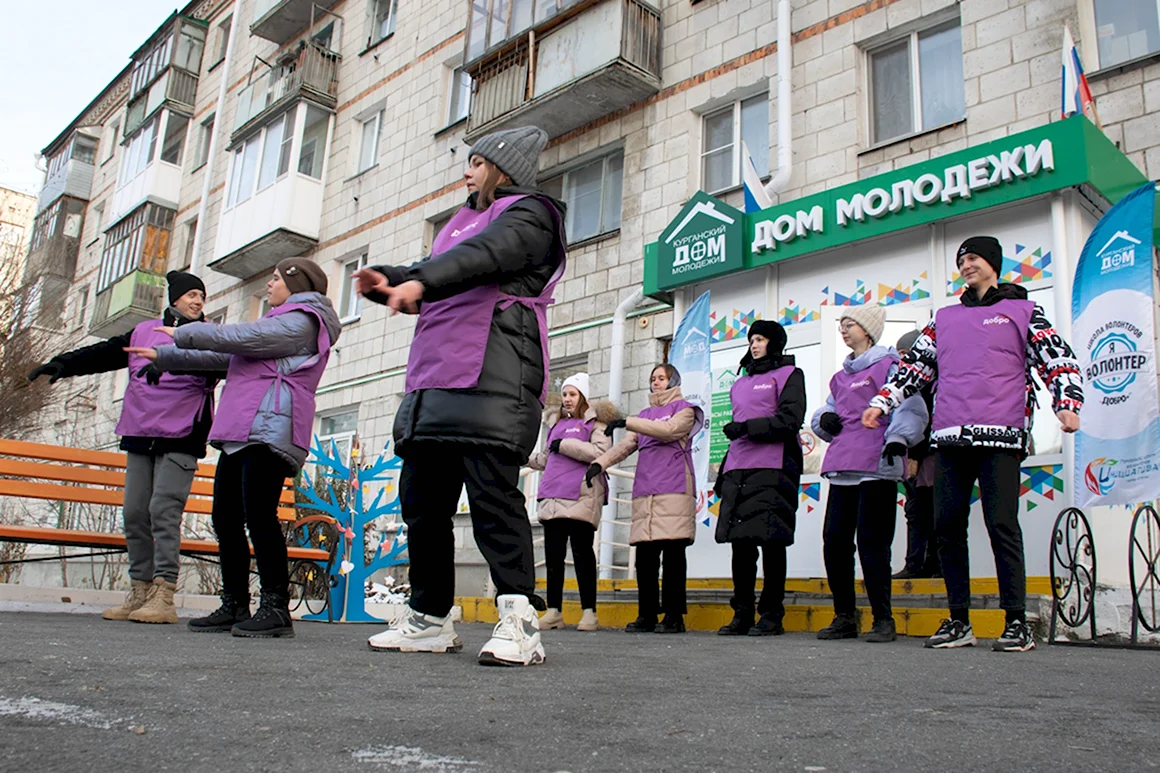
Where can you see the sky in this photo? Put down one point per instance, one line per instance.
(55, 57)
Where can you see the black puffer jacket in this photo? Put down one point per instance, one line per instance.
(519, 251)
(109, 355)
(762, 504)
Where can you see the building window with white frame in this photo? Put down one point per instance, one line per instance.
(339, 428)
(1125, 31)
(916, 83)
(173, 147)
(314, 135)
(111, 140)
(82, 307)
(593, 193)
(383, 13)
(722, 134)
(458, 96)
(223, 39)
(204, 137)
(351, 300)
(368, 152)
(217, 318)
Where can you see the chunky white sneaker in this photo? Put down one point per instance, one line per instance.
(588, 621)
(516, 638)
(553, 618)
(416, 632)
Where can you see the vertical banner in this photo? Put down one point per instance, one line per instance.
(1117, 450)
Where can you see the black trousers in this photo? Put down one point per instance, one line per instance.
(921, 546)
(433, 474)
(997, 471)
(773, 564)
(246, 490)
(648, 566)
(865, 513)
(557, 533)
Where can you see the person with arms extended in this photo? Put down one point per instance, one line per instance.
(165, 419)
(760, 477)
(981, 362)
(477, 377)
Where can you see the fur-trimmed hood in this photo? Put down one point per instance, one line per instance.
(601, 410)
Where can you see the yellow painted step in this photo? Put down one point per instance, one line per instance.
(981, 586)
(988, 623)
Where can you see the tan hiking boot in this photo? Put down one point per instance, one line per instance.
(159, 608)
(588, 621)
(551, 619)
(139, 592)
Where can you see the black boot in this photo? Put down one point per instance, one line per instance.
(768, 625)
(642, 624)
(843, 627)
(740, 625)
(271, 621)
(882, 631)
(672, 624)
(233, 610)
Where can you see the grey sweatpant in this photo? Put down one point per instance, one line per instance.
(156, 487)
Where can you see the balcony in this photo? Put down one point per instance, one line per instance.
(131, 300)
(70, 171)
(280, 20)
(311, 73)
(570, 70)
(175, 87)
(55, 240)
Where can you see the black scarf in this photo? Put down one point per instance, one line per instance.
(765, 364)
(1000, 292)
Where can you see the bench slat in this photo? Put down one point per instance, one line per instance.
(78, 455)
(97, 540)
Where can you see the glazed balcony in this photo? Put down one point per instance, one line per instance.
(131, 300)
(311, 74)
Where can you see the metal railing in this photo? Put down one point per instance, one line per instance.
(313, 73)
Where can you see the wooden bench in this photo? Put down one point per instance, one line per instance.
(58, 474)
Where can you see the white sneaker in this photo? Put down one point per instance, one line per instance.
(416, 632)
(516, 638)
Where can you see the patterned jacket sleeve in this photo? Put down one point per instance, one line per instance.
(918, 369)
(1055, 361)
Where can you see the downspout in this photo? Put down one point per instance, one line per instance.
(218, 128)
(615, 395)
(784, 101)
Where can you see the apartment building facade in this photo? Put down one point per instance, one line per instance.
(246, 131)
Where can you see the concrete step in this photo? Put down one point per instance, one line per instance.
(980, 586)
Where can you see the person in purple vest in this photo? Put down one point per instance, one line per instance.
(664, 496)
(921, 548)
(163, 427)
(987, 346)
(760, 477)
(477, 378)
(263, 429)
(567, 509)
(864, 466)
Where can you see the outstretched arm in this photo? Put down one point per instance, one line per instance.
(267, 338)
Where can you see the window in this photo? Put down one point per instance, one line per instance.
(383, 14)
(204, 138)
(84, 149)
(190, 42)
(368, 154)
(190, 239)
(326, 37)
(244, 170)
(223, 38)
(139, 152)
(82, 307)
(592, 193)
(722, 133)
(1125, 30)
(150, 65)
(916, 83)
(174, 145)
(276, 151)
(218, 318)
(458, 96)
(351, 300)
(436, 228)
(139, 241)
(340, 429)
(313, 142)
(494, 21)
(111, 140)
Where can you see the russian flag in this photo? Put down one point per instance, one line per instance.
(756, 198)
(1077, 95)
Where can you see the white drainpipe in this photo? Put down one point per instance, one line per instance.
(218, 127)
(784, 101)
(615, 395)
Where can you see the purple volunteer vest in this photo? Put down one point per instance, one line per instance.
(248, 380)
(563, 475)
(167, 410)
(754, 397)
(982, 364)
(857, 449)
(662, 466)
(451, 334)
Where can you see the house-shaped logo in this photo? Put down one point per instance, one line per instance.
(705, 240)
(1119, 252)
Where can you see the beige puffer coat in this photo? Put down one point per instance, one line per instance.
(587, 507)
(659, 516)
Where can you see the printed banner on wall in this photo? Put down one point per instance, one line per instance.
(1117, 450)
(690, 355)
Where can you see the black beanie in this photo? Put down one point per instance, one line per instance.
(181, 282)
(987, 248)
(772, 331)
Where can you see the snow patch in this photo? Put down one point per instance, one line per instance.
(413, 758)
(64, 713)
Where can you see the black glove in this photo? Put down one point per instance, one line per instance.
(554, 446)
(593, 472)
(151, 373)
(735, 429)
(831, 423)
(893, 451)
(614, 425)
(54, 370)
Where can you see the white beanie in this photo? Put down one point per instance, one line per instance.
(872, 319)
(579, 381)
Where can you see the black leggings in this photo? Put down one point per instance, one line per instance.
(648, 567)
(773, 562)
(557, 533)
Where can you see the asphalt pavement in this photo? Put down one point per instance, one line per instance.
(78, 693)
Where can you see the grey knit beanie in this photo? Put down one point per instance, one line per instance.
(515, 151)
